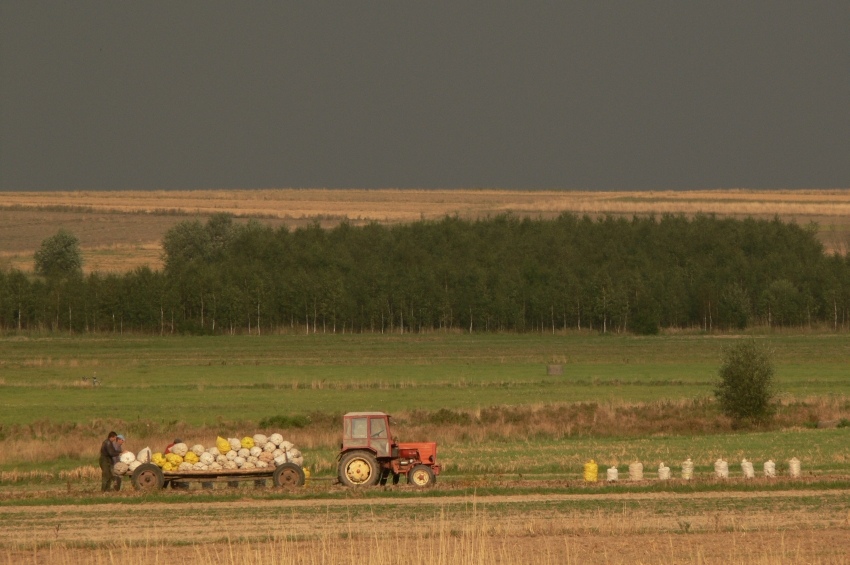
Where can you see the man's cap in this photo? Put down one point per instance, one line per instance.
(120, 436)
(178, 440)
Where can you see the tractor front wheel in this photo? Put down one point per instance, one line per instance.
(421, 476)
(359, 469)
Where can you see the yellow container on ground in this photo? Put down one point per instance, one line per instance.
(591, 471)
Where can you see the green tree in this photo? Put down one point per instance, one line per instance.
(734, 309)
(59, 261)
(745, 389)
(59, 257)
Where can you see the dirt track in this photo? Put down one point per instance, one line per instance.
(434, 501)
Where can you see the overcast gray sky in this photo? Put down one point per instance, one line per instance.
(572, 95)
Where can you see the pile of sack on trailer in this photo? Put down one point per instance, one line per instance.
(257, 452)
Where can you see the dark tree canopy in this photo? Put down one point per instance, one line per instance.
(639, 275)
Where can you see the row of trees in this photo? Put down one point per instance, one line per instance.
(497, 274)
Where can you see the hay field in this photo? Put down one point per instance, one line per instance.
(720, 527)
(120, 230)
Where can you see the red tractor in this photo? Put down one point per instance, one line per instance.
(369, 454)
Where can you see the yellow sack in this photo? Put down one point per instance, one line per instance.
(174, 459)
(158, 460)
(247, 442)
(168, 467)
(191, 458)
(591, 471)
(222, 444)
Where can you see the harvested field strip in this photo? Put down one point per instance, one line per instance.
(274, 501)
(473, 544)
(463, 529)
(411, 205)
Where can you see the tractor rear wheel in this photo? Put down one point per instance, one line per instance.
(421, 476)
(288, 475)
(147, 477)
(359, 469)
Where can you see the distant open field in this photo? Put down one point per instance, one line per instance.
(121, 230)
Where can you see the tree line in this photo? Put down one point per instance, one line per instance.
(503, 273)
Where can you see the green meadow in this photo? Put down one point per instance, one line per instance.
(154, 386)
(201, 380)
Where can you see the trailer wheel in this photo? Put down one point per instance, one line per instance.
(148, 477)
(421, 476)
(288, 475)
(359, 469)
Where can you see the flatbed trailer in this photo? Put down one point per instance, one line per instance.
(150, 477)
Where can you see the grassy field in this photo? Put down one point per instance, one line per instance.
(513, 441)
(121, 230)
(245, 377)
(488, 399)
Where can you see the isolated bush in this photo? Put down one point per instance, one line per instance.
(746, 389)
(445, 416)
(285, 422)
(59, 256)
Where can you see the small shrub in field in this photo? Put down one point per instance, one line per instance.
(746, 388)
(446, 416)
(285, 422)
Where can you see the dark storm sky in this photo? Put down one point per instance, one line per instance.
(573, 95)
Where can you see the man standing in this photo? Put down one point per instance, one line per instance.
(108, 453)
(118, 448)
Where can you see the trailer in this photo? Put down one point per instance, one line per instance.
(150, 477)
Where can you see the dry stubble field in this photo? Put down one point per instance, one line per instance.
(120, 230)
(703, 527)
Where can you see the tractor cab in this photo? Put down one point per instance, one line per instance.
(367, 430)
